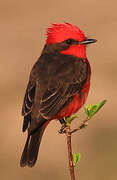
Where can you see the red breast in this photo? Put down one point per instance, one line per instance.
(77, 102)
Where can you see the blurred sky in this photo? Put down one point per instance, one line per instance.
(22, 36)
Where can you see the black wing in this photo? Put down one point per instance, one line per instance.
(69, 79)
(27, 104)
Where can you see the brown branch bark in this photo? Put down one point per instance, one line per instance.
(68, 133)
(69, 146)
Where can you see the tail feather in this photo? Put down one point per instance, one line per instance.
(23, 161)
(30, 152)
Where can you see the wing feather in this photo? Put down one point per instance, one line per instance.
(27, 105)
(28, 100)
(57, 98)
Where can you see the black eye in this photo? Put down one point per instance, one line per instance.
(69, 41)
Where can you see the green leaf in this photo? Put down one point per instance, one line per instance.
(90, 109)
(70, 119)
(76, 158)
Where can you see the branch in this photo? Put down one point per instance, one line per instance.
(71, 166)
(90, 111)
(82, 125)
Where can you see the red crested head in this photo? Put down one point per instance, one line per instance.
(68, 33)
(60, 32)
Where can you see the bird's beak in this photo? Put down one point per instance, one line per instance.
(88, 41)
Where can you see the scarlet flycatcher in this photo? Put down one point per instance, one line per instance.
(58, 85)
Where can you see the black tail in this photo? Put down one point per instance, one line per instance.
(30, 153)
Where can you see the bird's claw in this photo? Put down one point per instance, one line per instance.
(63, 129)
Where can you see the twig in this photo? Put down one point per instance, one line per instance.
(82, 125)
(71, 166)
(68, 133)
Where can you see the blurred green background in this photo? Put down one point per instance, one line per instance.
(22, 37)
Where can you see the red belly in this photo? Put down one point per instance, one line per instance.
(76, 103)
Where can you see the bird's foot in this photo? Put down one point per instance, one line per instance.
(63, 127)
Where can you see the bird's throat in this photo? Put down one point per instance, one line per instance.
(76, 50)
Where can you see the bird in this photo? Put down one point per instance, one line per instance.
(58, 85)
